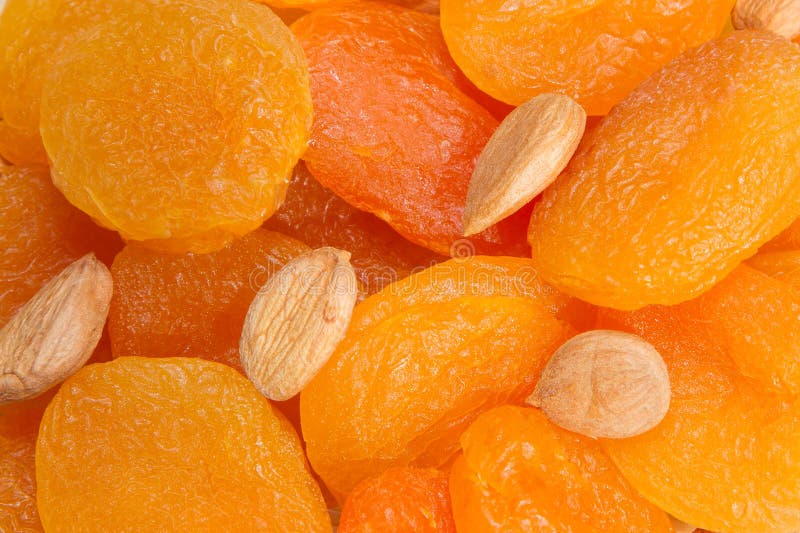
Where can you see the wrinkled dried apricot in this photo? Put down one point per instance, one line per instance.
(679, 183)
(178, 123)
(28, 40)
(192, 305)
(40, 234)
(400, 500)
(521, 473)
(397, 128)
(725, 458)
(19, 426)
(594, 51)
(408, 378)
(316, 216)
(211, 454)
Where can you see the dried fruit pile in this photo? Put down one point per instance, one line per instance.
(399, 266)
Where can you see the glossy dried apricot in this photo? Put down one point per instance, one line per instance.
(408, 378)
(400, 500)
(789, 239)
(192, 305)
(170, 445)
(592, 50)
(521, 473)
(397, 128)
(316, 216)
(783, 266)
(40, 234)
(178, 123)
(725, 458)
(679, 183)
(755, 318)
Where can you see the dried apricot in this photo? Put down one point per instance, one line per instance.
(178, 123)
(397, 128)
(408, 378)
(592, 50)
(756, 320)
(26, 41)
(783, 266)
(316, 216)
(789, 239)
(170, 445)
(520, 473)
(19, 426)
(679, 183)
(193, 305)
(40, 234)
(725, 458)
(400, 500)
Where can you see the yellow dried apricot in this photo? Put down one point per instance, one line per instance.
(170, 445)
(178, 123)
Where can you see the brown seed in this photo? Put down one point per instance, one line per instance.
(778, 16)
(526, 153)
(53, 335)
(604, 384)
(297, 320)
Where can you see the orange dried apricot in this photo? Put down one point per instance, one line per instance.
(316, 216)
(178, 123)
(789, 239)
(521, 473)
(408, 378)
(400, 500)
(19, 426)
(783, 266)
(40, 234)
(176, 444)
(27, 40)
(756, 320)
(192, 305)
(397, 127)
(722, 430)
(592, 50)
(679, 183)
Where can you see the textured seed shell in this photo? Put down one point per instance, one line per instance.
(604, 384)
(778, 16)
(524, 155)
(297, 320)
(55, 333)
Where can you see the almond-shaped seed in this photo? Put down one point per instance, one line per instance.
(53, 335)
(778, 16)
(296, 321)
(524, 155)
(604, 384)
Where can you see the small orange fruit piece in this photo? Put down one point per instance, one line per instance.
(400, 500)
